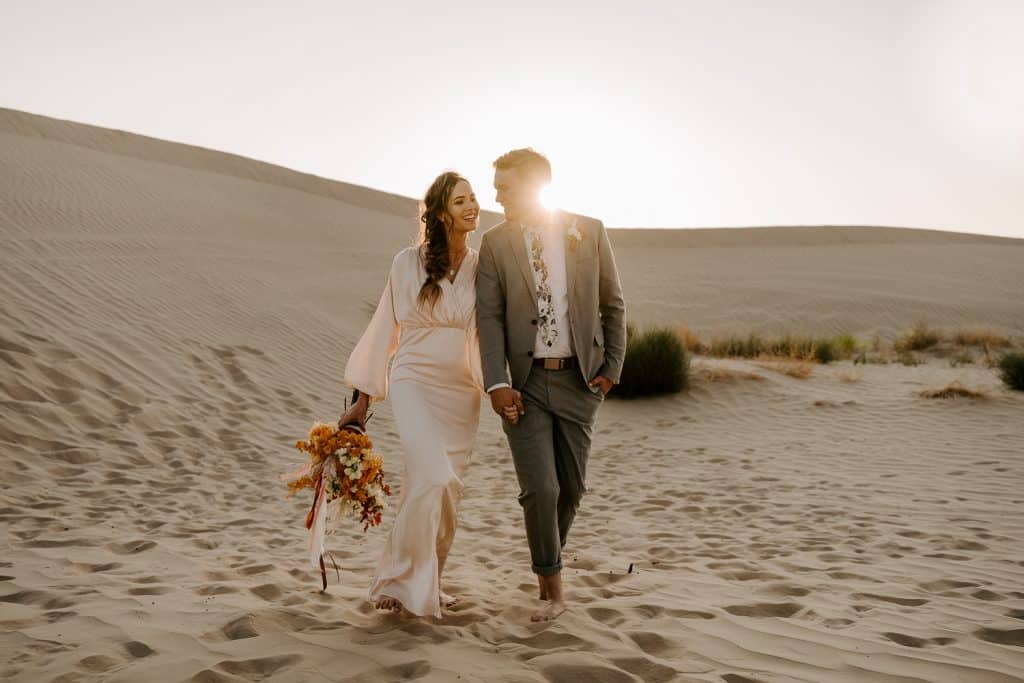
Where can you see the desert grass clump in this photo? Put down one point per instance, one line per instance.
(690, 339)
(918, 338)
(656, 363)
(737, 346)
(788, 346)
(825, 351)
(908, 358)
(847, 345)
(986, 339)
(962, 358)
(953, 390)
(791, 346)
(1011, 370)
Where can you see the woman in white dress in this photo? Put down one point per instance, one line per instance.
(425, 326)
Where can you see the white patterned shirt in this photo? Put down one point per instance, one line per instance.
(553, 238)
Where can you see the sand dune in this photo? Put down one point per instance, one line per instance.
(173, 318)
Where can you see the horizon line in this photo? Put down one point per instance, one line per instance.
(397, 195)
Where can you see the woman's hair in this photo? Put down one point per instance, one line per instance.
(435, 235)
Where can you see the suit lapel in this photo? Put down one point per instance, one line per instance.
(517, 244)
(570, 257)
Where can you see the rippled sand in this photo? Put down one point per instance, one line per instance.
(174, 318)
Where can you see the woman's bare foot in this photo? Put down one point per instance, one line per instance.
(389, 604)
(448, 601)
(549, 612)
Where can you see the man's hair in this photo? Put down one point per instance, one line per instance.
(530, 163)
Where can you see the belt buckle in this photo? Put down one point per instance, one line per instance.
(552, 363)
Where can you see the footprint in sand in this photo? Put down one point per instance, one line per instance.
(645, 669)
(762, 610)
(131, 547)
(240, 628)
(608, 617)
(268, 591)
(150, 590)
(785, 590)
(1013, 636)
(48, 601)
(906, 602)
(913, 641)
(138, 649)
(987, 595)
(250, 669)
(98, 663)
(945, 585)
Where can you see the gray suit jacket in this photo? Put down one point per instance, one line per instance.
(506, 303)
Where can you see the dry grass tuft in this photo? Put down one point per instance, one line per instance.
(800, 369)
(909, 359)
(719, 374)
(918, 338)
(848, 376)
(962, 358)
(953, 390)
(988, 339)
(690, 339)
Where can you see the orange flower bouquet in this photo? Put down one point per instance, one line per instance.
(347, 478)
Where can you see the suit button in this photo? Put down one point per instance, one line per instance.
(529, 353)
(533, 322)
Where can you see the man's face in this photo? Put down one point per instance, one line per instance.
(517, 196)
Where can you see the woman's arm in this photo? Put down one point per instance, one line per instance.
(367, 367)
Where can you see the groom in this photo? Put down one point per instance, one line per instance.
(552, 325)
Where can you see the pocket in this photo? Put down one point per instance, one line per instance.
(599, 339)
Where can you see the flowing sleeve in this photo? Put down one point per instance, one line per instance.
(367, 367)
(473, 351)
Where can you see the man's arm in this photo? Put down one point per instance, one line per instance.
(490, 317)
(612, 307)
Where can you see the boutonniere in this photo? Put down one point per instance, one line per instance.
(575, 236)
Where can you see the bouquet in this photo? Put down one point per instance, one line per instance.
(347, 478)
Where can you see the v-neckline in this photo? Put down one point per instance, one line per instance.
(458, 273)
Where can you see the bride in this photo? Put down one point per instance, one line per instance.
(425, 325)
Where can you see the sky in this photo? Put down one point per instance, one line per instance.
(653, 114)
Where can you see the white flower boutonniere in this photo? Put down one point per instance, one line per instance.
(575, 236)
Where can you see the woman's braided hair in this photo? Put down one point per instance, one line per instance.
(434, 216)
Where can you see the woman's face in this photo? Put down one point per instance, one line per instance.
(463, 208)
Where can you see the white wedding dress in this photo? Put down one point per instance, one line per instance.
(435, 388)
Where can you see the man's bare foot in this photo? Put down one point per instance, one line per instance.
(549, 612)
(389, 604)
(448, 601)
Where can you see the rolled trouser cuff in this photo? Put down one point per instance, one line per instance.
(548, 570)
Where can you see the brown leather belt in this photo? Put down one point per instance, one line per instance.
(555, 363)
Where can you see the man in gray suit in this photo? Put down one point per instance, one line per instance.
(552, 325)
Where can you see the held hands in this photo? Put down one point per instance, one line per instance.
(602, 381)
(508, 404)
